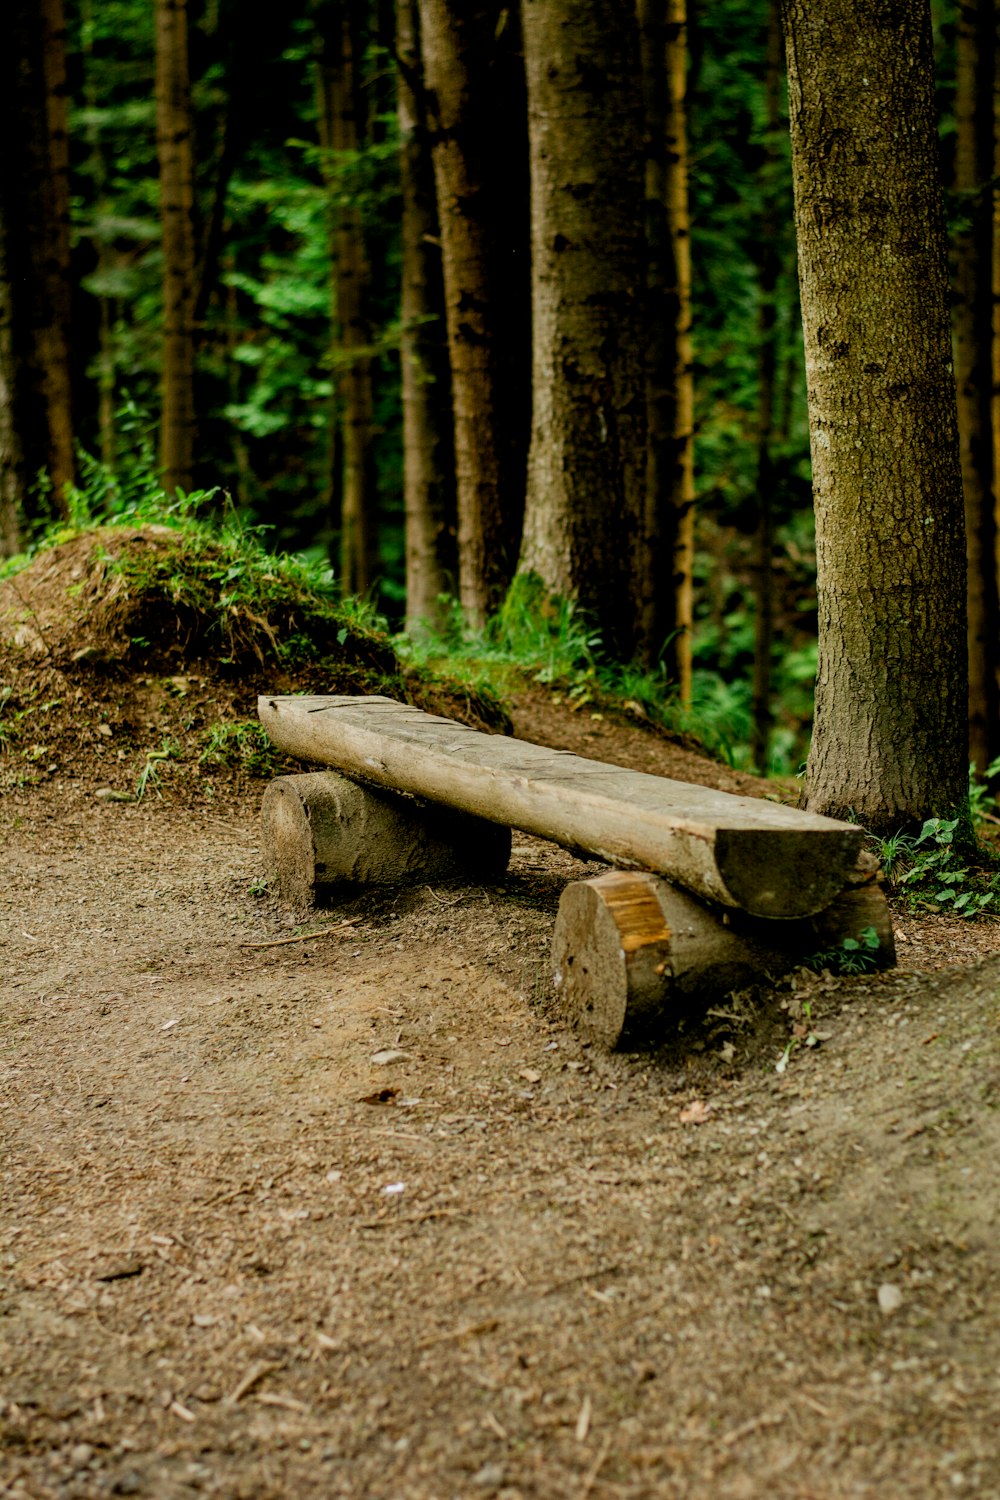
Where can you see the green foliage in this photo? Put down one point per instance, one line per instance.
(932, 871)
(549, 641)
(242, 745)
(149, 777)
(852, 955)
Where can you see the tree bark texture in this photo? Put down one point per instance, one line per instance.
(12, 470)
(342, 133)
(586, 479)
(768, 272)
(34, 202)
(973, 317)
(890, 736)
(668, 529)
(428, 442)
(175, 150)
(471, 71)
(321, 832)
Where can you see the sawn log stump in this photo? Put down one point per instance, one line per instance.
(630, 950)
(321, 833)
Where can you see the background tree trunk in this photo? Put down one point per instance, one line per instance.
(428, 447)
(12, 470)
(478, 171)
(342, 132)
(973, 318)
(174, 144)
(679, 219)
(669, 495)
(768, 272)
(34, 202)
(890, 737)
(55, 332)
(585, 496)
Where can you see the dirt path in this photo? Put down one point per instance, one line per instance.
(226, 1268)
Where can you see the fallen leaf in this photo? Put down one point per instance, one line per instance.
(381, 1096)
(697, 1113)
(529, 1075)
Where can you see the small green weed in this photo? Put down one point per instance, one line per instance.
(982, 804)
(259, 886)
(149, 776)
(853, 955)
(937, 877)
(243, 745)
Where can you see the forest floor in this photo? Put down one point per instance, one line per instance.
(362, 1215)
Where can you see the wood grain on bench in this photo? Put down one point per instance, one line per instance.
(758, 856)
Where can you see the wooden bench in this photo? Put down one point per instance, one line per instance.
(418, 794)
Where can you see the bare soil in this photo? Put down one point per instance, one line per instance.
(361, 1216)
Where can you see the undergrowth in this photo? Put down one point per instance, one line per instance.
(550, 642)
(933, 871)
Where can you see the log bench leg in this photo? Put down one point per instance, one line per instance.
(321, 832)
(629, 948)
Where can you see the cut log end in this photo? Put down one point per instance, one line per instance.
(629, 950)
(786, 874)
(321, 832)
(611, 952)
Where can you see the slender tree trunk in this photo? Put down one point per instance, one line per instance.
(34, 202)
(586, 480)
(973, 318)
(768, 272)
(175, 149)
(665, 634)
(55, 331)
(679, 218)
(106, 305)
(428, 450)
(12, 469)
(890, 740)
(342, 134)
(478, 176)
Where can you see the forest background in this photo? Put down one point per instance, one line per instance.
(287, 271)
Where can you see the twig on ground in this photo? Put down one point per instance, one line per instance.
(462, 896)
(766, 1419)
(590, 1478)
(304, 937)
(253, 1377)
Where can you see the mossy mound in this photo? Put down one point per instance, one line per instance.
(140, 637)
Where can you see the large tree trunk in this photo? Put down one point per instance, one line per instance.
(428, 446)
(668, 549)
(479, 178)
(890, 739)
(34, 203)
(585, 500)
(175, 149)
(973, 319)
(341, 133)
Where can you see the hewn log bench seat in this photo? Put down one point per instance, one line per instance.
(419, 792)
(757, 856)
